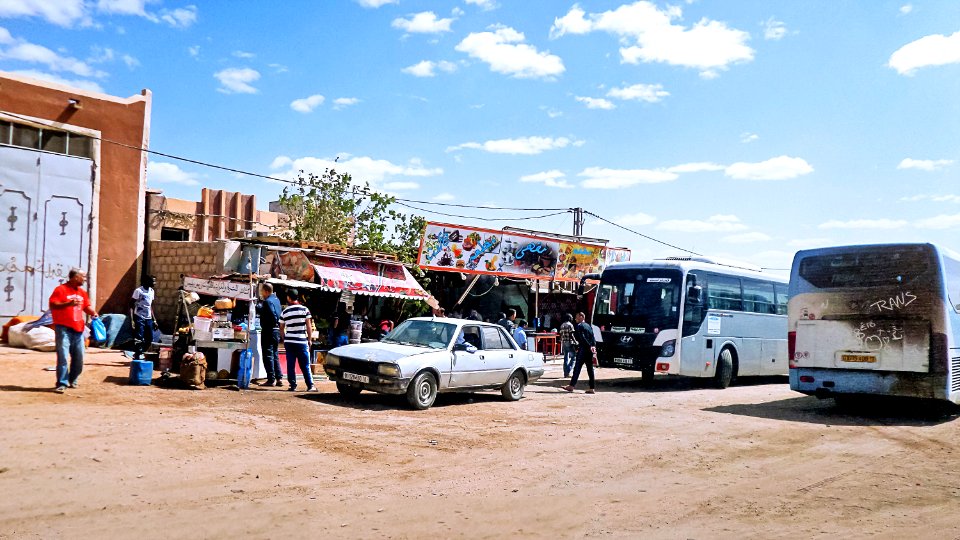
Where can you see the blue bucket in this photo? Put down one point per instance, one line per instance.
(141, 372)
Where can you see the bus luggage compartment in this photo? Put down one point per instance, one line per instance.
(863, 344)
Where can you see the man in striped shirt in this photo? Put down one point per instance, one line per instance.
(296, 329)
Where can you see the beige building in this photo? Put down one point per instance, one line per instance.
(219, 215)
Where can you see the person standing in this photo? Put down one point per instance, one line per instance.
(143, 316)
(270, 334)
(68, 303)
(520, 334)
(506, 320)
(568, 345)
(586, 348)
(296, 329)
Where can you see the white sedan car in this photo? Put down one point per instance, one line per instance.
(424, 356)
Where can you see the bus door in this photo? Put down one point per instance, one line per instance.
(696, 354)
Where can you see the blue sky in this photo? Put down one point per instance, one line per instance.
(738, 129)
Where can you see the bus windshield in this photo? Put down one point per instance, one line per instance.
(879, 266)
(639, 300)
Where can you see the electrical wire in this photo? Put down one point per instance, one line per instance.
(652, 239)
(520, 218)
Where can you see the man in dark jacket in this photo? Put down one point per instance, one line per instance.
(507, 321)
(270, 334)
(586, 348)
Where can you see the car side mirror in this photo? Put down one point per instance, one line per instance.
(695, 295)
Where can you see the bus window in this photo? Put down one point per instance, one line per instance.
(758, 297)
(899, 265)
(951, 271)
(693, 314)
(723, 292)
(782, 298)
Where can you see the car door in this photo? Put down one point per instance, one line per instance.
(499, 355)
(468, 367)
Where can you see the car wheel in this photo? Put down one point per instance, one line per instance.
(724, 372)
(348, 391)
(422, 391)
(512, 390)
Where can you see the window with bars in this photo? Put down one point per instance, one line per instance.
(48, 140)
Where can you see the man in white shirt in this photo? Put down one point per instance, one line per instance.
(142, 315)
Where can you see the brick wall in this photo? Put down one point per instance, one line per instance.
(169, 260)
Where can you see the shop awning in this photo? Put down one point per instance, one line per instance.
(368, 277)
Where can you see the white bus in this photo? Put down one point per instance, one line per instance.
(692, 317)
(879, 319)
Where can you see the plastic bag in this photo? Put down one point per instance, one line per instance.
(98, 331)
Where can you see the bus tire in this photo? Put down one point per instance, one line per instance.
(646, 376)
(724, 373)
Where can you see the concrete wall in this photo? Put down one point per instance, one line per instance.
(169, 260)
(120, 215)
(218, 215)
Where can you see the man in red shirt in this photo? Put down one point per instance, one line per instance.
(68, 303)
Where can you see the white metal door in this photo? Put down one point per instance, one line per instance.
(45, 203)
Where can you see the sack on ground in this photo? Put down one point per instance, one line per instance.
(193, 369)
(40, 338)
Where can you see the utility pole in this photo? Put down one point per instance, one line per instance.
(577, 222)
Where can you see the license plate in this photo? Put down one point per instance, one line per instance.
(628, 361)
(355, 377)
(859, 358)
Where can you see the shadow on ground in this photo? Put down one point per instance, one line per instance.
(867, 411)
(660, 383)
(380, 402)
(16, 388)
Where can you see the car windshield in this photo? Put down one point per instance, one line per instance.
(429, 334)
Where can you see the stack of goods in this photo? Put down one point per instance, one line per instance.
(193, 370)
(222, 319)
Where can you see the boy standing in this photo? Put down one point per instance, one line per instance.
(143, 317)
(296, 329)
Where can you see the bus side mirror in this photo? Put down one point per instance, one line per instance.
(695, 295)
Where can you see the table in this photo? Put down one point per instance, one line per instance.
(546, 342)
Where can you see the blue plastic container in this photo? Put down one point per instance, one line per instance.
(244, 369)
(141, 372)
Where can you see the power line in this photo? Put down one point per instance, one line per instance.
(652, 239)
(520, 218)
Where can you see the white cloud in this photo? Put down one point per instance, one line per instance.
(374, 4)
(237, 80)
(278, 68)
(59, 12)
(906, 8)
(401, 186)
(747, 137)
(169, 173)
(634, 220)
(932, 50)
(505, 52)
(716, 223)
(344, 102)
(522, 145)
(307, 104)
(194, 51)
(928, 165)
(76, 83)
(123, 7)
(427, 68)
(778, 168)
(551, 112)
(180, 17)
(130, 61)
(648, 34)
(596, 103)
(603, 178)
(23, 51)
(933, 198)
(939, 222)
(485, 5)
(864, 224)
(361, 168)
(444, 197)
(746, 238)
(243, 54)
(774, 29)
(651, 93)
(554, 178)
(704, 166)
(425, 22)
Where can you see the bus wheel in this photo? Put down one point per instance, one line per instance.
(724, 372)
(647, 375)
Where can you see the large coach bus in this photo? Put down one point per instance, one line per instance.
(692, 317)
(878, 319)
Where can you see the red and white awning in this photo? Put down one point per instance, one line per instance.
(368, 277)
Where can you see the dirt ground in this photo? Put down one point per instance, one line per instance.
(678, 461)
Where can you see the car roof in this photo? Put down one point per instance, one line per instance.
(451, 320)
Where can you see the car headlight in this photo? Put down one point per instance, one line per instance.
(388, 370)
(331, 360)
(668, 348)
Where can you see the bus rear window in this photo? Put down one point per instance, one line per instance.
(868, 267)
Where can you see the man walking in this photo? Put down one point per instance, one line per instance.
(143, 316)
(270, 334)
(586, 348)
(568, 345)
(68, 303)
(296, 329)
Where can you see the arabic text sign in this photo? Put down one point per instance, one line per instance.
(217, 287)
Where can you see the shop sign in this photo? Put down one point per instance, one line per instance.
(217, 287)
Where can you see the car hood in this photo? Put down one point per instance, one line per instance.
(380, 352)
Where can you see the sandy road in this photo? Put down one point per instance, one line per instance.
(678, 461)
